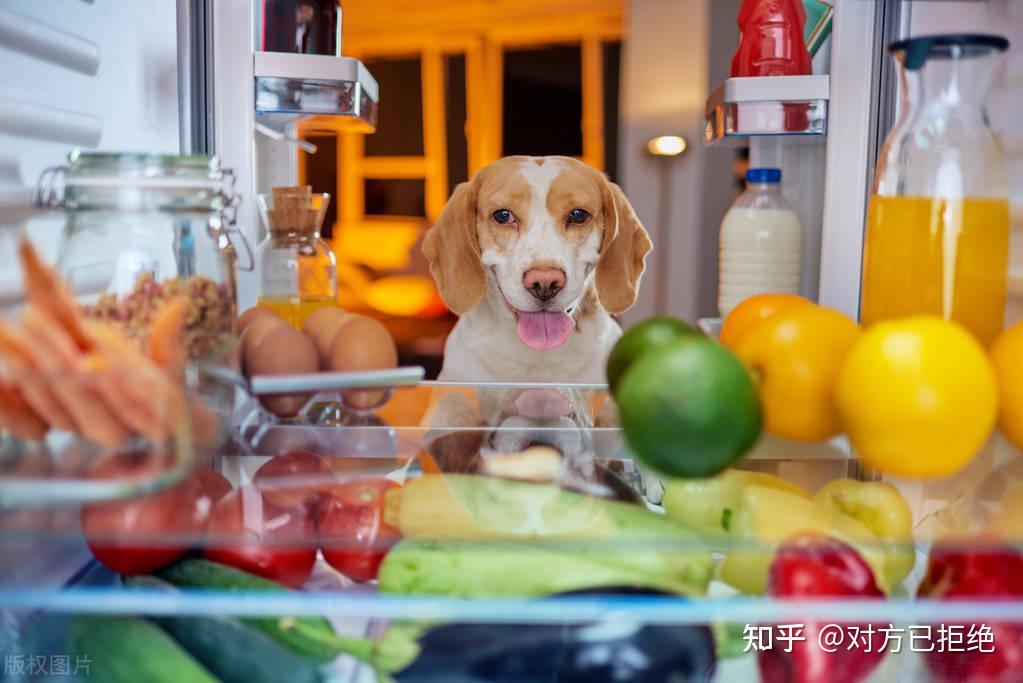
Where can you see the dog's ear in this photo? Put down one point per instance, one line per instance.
(622, 252)
(453, 250)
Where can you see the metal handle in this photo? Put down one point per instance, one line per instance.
(49, 189)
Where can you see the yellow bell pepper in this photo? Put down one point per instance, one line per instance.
(766, 517)
(880, 507)
(706, 505)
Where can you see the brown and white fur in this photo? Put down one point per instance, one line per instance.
(542, 259)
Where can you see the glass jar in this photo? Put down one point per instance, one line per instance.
(295, 268)
(937, 235)
(144, 228)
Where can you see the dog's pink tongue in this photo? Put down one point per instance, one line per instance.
(544, 329)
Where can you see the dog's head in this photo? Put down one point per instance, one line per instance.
(541, 232)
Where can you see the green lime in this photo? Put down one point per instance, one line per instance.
(688, 408)
(639, 339)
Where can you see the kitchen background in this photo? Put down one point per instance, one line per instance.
(463, 82)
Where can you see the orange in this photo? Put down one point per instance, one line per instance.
(1007, 357)
(795, 356)
(752, 310)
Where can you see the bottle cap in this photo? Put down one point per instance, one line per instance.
(763, 175)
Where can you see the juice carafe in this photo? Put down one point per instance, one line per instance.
(937, 234)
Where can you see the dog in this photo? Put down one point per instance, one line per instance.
(535, 254)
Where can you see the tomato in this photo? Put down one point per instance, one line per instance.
(353, 535)
(251, 533)
(294, 479)
(214, 484)
(139, 535)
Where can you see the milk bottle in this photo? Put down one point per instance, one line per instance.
(761, 243)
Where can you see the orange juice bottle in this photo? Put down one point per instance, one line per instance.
(947, 257)
(937, 233)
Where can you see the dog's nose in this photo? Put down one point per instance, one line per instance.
(544, 283)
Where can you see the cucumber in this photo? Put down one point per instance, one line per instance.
(310, 637)
(234, 652)
(128, 650)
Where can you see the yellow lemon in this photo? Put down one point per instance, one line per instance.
(917, 397)
(1007, 356)
(795, 355)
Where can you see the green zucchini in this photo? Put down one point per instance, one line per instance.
(311, 637)
(128, 650)
(231, 650)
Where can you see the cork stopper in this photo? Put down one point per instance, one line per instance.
(296, 210)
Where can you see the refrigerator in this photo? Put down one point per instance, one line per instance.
(492, 580)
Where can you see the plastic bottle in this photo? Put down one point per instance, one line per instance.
(761, 243)
(772, 39)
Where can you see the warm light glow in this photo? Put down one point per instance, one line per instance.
(666, 145)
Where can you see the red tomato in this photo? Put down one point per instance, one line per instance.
(139, 535)
(214, 484)
(353, 535)
(250, 533)
(294, 479)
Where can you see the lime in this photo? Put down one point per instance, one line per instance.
(640, 338)
(688, 408)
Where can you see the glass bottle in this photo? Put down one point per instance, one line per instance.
(296, 268)
(937, 234)
(761, 243)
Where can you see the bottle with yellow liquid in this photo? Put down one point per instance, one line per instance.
(937, 234)
(296, 268)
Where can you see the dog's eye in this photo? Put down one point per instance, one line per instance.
(578, 216)
(503, 216)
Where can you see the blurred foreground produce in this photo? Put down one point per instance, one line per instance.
(687, 406)
(767, 517)
(598, 652)
(975, 569)
(354, 538)
(129, 650)
(232, 651)
(917, 397)
(251, 533)
(108, 390)
(139, 535)
(311, 637)
(751, 311)
(815, 566)
(650, 334)
(880, 507)
(795, 356)
(1007, 358)
(707, 505)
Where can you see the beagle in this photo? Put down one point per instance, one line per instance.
(535, 254)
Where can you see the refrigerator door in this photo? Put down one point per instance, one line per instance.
(79, 74)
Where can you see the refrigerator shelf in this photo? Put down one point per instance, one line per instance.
(293, 86)
(777, 105)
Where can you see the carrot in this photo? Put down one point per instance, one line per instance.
(165, 344)
(47, 291)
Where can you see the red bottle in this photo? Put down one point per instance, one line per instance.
(772, 39)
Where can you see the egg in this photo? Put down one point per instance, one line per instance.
(363, 344)
(253, 314)
(255, 330)
(322, 326)
(282, 350)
